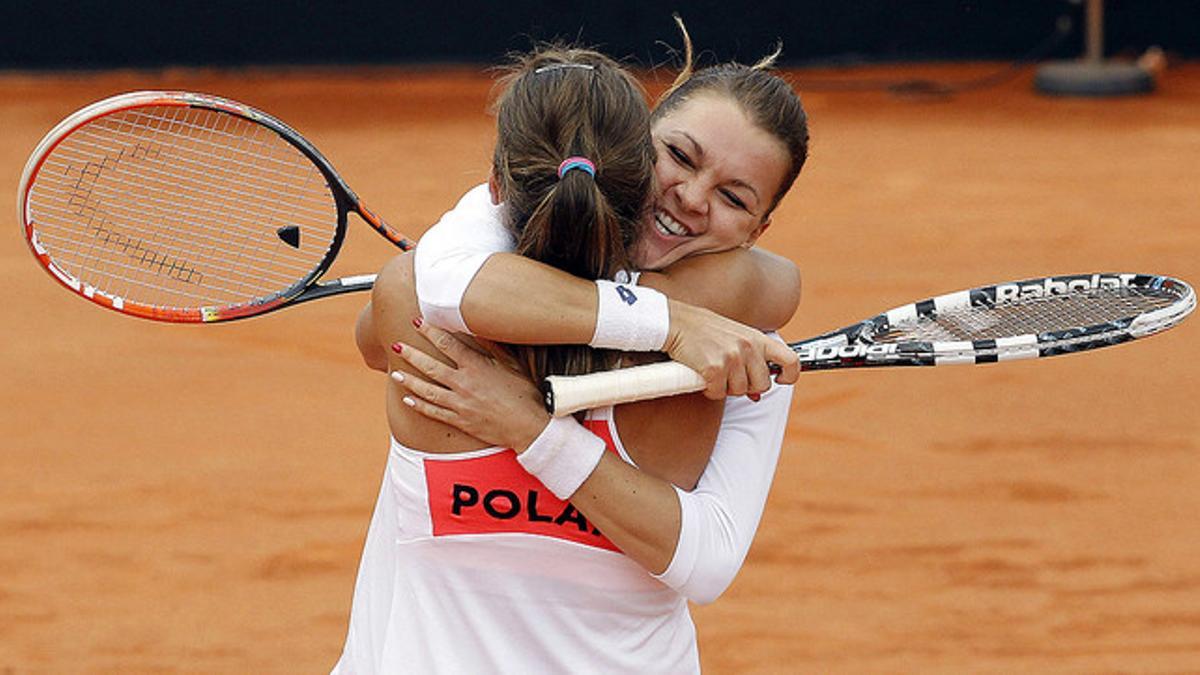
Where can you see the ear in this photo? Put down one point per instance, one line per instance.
(756, 233)
(494, 187)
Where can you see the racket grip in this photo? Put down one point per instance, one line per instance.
(565, 395)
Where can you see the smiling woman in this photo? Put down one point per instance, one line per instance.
(718, 174)
(731, 140)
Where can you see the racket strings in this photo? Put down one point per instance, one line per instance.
(182, 207)
(124, 242)
(1033, 315)
(194, 167)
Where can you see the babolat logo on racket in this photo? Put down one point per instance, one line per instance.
(626, 295)
(1061, 286)
(827, 352)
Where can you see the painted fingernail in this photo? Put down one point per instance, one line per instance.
(408, 401)
(417, 321)
(398, 347)
(397, 376)
(754, 397)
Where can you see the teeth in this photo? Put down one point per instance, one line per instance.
(667, 225)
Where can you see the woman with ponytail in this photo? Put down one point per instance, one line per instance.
(475, 561)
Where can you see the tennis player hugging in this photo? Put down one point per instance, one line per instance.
(507, 541)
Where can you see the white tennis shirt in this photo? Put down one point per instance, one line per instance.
(471, 565)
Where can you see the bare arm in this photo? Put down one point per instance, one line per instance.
(366, 339)
(754, 287)
(514, 299)
(517, 300)
(637, 511)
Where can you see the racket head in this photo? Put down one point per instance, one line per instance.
(181, 207)
(1026, 319)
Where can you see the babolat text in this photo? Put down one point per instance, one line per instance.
(1061, 286)
(828, 352)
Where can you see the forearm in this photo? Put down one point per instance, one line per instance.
(637, 512)
(517, 300)
(695, 541)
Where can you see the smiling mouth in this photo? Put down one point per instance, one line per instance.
(667, 225)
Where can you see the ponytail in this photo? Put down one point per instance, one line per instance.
(575, 167)
(575, 229)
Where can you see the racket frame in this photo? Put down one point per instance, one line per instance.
(303, 290)
(856, 346)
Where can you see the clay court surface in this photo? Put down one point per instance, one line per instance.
(194, 499)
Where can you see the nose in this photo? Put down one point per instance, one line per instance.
(691, 197)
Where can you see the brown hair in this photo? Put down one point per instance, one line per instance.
(560, 102)
(766, 98)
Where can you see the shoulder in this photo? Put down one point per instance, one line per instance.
(394, 285)
(475, 211)
(753, 285)
(474, 226)
(397, 272)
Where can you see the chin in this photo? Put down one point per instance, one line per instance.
(653, 258)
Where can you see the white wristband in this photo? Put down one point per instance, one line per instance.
(630, 318)
(563, 456)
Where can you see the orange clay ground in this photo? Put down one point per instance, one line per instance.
(194, 499)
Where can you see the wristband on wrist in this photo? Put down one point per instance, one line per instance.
(630, 318)
(563, 456)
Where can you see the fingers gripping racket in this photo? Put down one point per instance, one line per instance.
(1020, 320)
(187, 208)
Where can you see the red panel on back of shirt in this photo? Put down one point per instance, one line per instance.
(494, 493)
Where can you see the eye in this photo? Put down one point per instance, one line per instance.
(734, 200)
(679, 155)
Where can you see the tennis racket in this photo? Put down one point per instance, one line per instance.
(1006, 322)
(187, 208)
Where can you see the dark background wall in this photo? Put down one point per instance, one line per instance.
(146, 33)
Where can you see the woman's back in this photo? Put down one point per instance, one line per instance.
(471, 565)
(394, 306)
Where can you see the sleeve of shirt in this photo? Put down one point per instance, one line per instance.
(450, 253)
(721, 515)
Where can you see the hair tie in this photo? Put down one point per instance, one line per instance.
(582, 163)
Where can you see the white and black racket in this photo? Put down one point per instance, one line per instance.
(1019, 320)
(188, 208)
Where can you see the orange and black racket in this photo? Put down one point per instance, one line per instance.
(187, 208)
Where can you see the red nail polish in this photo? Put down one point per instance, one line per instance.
(397, 347)
(417, 321)
(755, 397)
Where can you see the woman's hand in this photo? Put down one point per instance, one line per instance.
(732, 358)
(481, 395)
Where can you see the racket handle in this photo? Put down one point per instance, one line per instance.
(565, 395)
